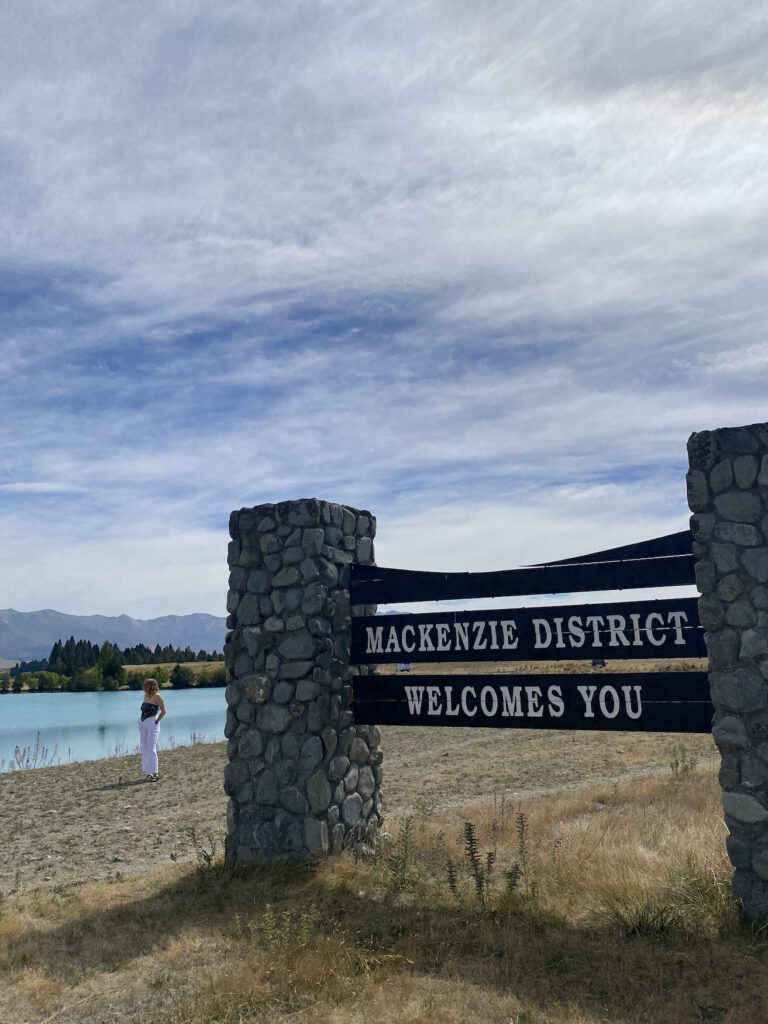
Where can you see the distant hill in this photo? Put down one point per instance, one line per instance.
(28, 635)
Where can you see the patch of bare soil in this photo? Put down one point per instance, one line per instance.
(97, 819)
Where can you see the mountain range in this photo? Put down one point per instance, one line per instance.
(25, 636)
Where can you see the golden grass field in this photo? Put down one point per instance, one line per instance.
(117, 909)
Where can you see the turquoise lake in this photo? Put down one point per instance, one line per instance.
(89, 726)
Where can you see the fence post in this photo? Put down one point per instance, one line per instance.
(302, 779)
(728, 495)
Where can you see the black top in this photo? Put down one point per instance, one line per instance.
(148, 710)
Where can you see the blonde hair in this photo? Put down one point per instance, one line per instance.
(151, 686)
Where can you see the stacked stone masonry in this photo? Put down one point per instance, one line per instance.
(728, 495)
(302, 779)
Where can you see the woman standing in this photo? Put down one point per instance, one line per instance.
(149, 728)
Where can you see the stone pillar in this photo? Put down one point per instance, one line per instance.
(302, 779)
(728, 494)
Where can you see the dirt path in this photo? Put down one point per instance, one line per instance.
(96, 819)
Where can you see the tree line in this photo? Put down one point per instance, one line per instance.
(79, 665)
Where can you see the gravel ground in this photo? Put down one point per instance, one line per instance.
(97, 819)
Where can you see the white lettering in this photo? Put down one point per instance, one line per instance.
(587, 692)
(488, 691)
(425, 641)
(511, 707)
(449, 708)
(509, 640)
(494, 642)
(442, 629)
(617, 624)
(541, 626)
(677, 619)
(595, 621)
(636, 712)
(462, 633)
(535, 708)
(374, 639)
(393, 647)
(433, 698)
(415, 695)
(464, 704)
(575, 632)
(649, 631)
(559, 632)
(479, 629)
(556, 703)
(406, 647)
(605, 692)
(638, 641)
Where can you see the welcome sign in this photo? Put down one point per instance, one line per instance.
(634, 630)
(656, 701)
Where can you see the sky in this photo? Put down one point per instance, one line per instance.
(478, 268)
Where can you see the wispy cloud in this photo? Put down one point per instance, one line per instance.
(490, 258)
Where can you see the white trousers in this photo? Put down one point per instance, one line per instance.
(149, 731)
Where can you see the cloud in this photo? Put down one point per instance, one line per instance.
(495, 258)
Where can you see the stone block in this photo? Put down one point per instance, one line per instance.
(358, 751)
(287, 577)
(337, 768)
(364, 550)
(249, 611)
(256, 688)
(273, 562)
(705, 576)
(754, 644)
(722, 648)
(273, 719)
(744, 808)
(739, 506)
(711, 614)
(243, 664)
(366, 783)
(318, 792)
(730, 733)
(233, 600)
(736, 440)
(293, 556)
(721, 476)
(352, 808)
(253, 637)
(312, 540)
(739, 689)
(762, 476)
(311, 754)
(351, 777)
(729, 587)
(293, 800)
(702, 450)
(298, 646)
(306, 690)
(741, 613)
(739, 852)
(745, 471)
(743, 534)
(283, 692)
(755, 561)
(250, 744)
(316, 836)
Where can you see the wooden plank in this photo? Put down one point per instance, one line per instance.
(655, 686)
(632, 629)
(545, 705)
(371, 584)
(670, 544)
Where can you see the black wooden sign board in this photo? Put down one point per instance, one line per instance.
(636, 702)
(632, 629)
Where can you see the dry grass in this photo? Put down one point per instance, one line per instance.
(620, 912)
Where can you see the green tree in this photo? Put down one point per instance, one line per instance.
(182, 678)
